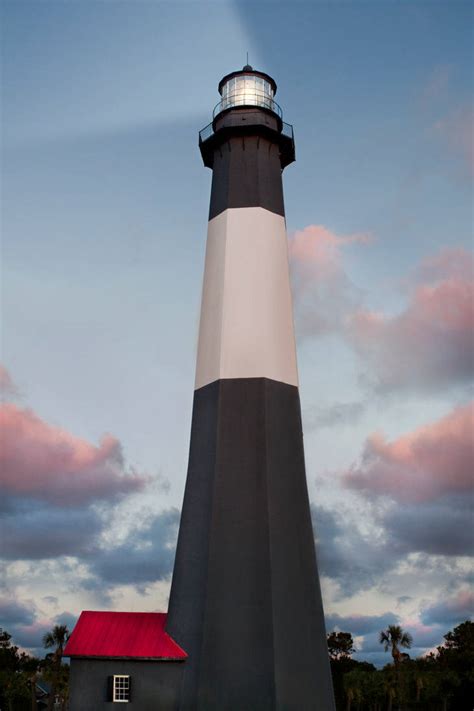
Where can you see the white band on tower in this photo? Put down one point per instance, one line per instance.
(246, 328)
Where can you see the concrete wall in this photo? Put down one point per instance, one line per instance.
(155, 685)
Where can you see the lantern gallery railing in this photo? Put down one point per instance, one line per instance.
(287, 130)
(207, 132)
(247, 97)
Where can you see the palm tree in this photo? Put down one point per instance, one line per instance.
(419, 683)
(394, 637)
(353, 686)
(389, 685)
(56, 638)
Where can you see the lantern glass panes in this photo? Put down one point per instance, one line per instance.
(247, 90)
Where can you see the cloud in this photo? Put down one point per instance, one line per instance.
(355, 561)
(57, 490)
(13, 612)
(51, 599)
(48, 463)
(36, 531)
(323, 293)
(31, 636)
(20, 619)
(416, 500)
(403, 598)
(367, 628)
(432, 461)
(339, 413)
(451, 612)
(147, 554)
(425, 347)
(360, 625)
(424, 479)
(23, 621)
(424, 636)
(66, 618)
(42, 532)
(454, 263)
(429, 345)
(443, 527)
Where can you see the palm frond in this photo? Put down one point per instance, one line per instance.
(406, 640)
(48, 640)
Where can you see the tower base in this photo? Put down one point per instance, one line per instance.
(245, 601)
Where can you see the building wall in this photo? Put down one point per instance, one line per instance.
(155, 684)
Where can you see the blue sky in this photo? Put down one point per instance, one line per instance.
(104, 217)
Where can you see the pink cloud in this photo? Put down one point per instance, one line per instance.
(324, 295)
(319, 248)
(430, 343)
(453, 262)
(46, 462)
(432, 461)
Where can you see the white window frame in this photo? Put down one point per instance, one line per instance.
(115, 690)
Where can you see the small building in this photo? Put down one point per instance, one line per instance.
(124, 657)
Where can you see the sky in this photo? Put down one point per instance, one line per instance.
(104, 217)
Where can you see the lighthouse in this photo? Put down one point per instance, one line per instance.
(245, 601)
(245, 626)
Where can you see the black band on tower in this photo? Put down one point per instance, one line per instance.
(246, 173)
(245, 600)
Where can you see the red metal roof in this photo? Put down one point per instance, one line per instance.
(122, 634)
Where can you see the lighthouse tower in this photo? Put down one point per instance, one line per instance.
(245, 601)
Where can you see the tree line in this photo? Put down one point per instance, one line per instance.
(31, 684)
(440, 681)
